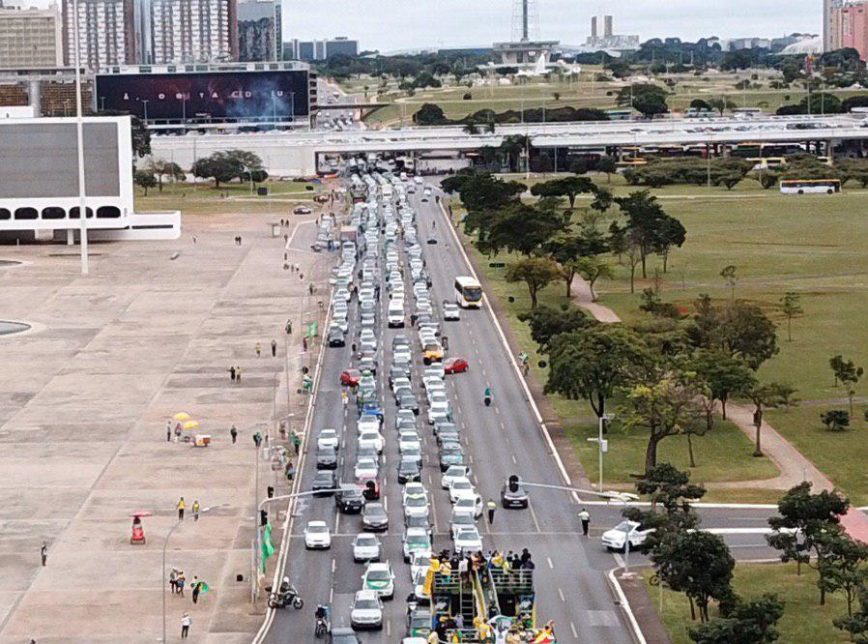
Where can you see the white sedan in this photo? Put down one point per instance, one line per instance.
(366, 468)
(454, 472)
(327, 438)
(617, 537)
(369, 439)
(460, 487)
(451, 312)
(467, 540)
(471, 504)
(317, 536)
(366, 547)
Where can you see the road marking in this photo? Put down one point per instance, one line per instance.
(332, 595)
(470, 458)
(333, 565)
(388, 628)
(386, 503)
(514, 460)
(533, 516)
(502, 426)
(573, 629)
(561, 595)
(618, 559)
(549, 562)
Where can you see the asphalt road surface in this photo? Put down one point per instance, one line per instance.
(570, 581)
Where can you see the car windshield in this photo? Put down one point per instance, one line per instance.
(416, 501)
(317, 528)
(366, 604)
(419, 541)
(459, 484)
(366, 542)
(624, 526)
(378, 575)
(374, 509)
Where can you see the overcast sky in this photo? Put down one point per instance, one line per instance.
(406, 24)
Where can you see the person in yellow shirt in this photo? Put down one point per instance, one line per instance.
(181, 505)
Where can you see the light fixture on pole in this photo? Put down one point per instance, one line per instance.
(79, 127)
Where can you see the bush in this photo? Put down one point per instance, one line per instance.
(467, 96)
(836, 420)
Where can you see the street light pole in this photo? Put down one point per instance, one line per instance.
(79, 133)
(145, 103)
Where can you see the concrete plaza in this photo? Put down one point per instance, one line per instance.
(84, 401)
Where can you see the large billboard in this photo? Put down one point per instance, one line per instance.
(239, 96)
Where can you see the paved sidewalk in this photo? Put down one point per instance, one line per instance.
(83, 408)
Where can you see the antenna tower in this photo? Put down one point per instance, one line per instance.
(525, 20)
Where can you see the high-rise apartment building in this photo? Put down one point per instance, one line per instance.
(106, 31)
(848, 27)
(30, 37)
(260, 37)
(609, 40)
(194, 31)
(321, 49)
(607, 26)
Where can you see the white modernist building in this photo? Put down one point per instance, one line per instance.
(39, 180)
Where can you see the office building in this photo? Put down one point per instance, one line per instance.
(194, 31)
(849, 27)
(30, 37)
(259, 31)
(609, 40)
(106, 33)
(322, 49)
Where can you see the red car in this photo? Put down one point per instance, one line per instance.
(455, 365)
(350, 377)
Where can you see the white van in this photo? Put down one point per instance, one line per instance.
(396, 313)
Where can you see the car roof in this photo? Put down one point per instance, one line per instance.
(366, 594)
(379, 565)
(317, 524)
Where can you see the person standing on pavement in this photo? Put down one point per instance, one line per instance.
(258, 350)
(296, 442)
(186, 621)
(194, 586)
(232, 374)
(585, 518)
(257, 439)
(195, 509)
(168, 431)
(237, 374)
(288, 327)
(234, 434)
(273, 348)
(181, 506)
(178, 432)
(491, 506)
(43, 553)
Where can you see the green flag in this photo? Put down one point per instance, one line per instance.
(267, 546)
(312, 329)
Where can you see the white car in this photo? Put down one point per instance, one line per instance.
(416, 506)
(327, 438)
(366, 547)
(368, 423)
(454, 472)
(459, 521)
(371, 439)
(342, 294)
(409, 440)
(317, 536)
(460, 487)
(439, 411)
(414, 488)
(419, 562)
(467, 540)
(616, 538)
(419, 586)
(451, 312)
(367, 610)
(366, 468)
(379, 578)
(469, 504)
(414, 542)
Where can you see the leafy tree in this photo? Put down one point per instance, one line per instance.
(763, 396)
(857, 624)
(536, 272)
(669, 488)
(145, 179)
(728, 273)
(429, 114)
(651, 230)
(698, 564)
(791, 308)
(750, 622)
(745, 331)
(521, 228)
(836, 420)
(592, 363)
(569, 187)
(669, 233)
(592, 268)
(162, 168)
(666, 404)
(725, 375)
(848, 374)
(721, 104)
(609, 165)
(802, 521)
(547, 323)
(699, 104)
(226, 166)
(513, 146)
(647, 98)
(843, 567)
(578, 166)
(140, 134)
(567, 247)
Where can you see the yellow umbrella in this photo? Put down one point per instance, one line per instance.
(182, 415)
(191, 424)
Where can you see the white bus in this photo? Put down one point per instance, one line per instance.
(810, 186)
(468, 292)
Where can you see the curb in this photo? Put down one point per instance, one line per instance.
(635, 630)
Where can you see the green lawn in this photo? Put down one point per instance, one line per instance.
(714, 452)
(804, 620)
(204, 198)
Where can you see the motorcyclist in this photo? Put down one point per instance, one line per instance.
(321, 614)
(487, 396)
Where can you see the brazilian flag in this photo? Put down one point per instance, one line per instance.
(312, 330)
(267, 546)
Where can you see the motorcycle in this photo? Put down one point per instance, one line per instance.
(285, 596)
(488, 401)
(322, 627)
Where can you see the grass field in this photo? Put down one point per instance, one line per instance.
(804, 620)
(233, 197)
(627, 449)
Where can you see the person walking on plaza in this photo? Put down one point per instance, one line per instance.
(168, 431)
(257, 439)
(273, 348)
(585, 518)
(180, 581)
(288, 327)
(178, 432)
(234, 434)
(258, 350)
(43, 552)
(491, 506)
(181, 506)
(296, 442)
(186, 621)
(195, 509)
(232, 374)
(194, 586)
(237, 374)
(173, 581)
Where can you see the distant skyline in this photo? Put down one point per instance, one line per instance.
(389, 25)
